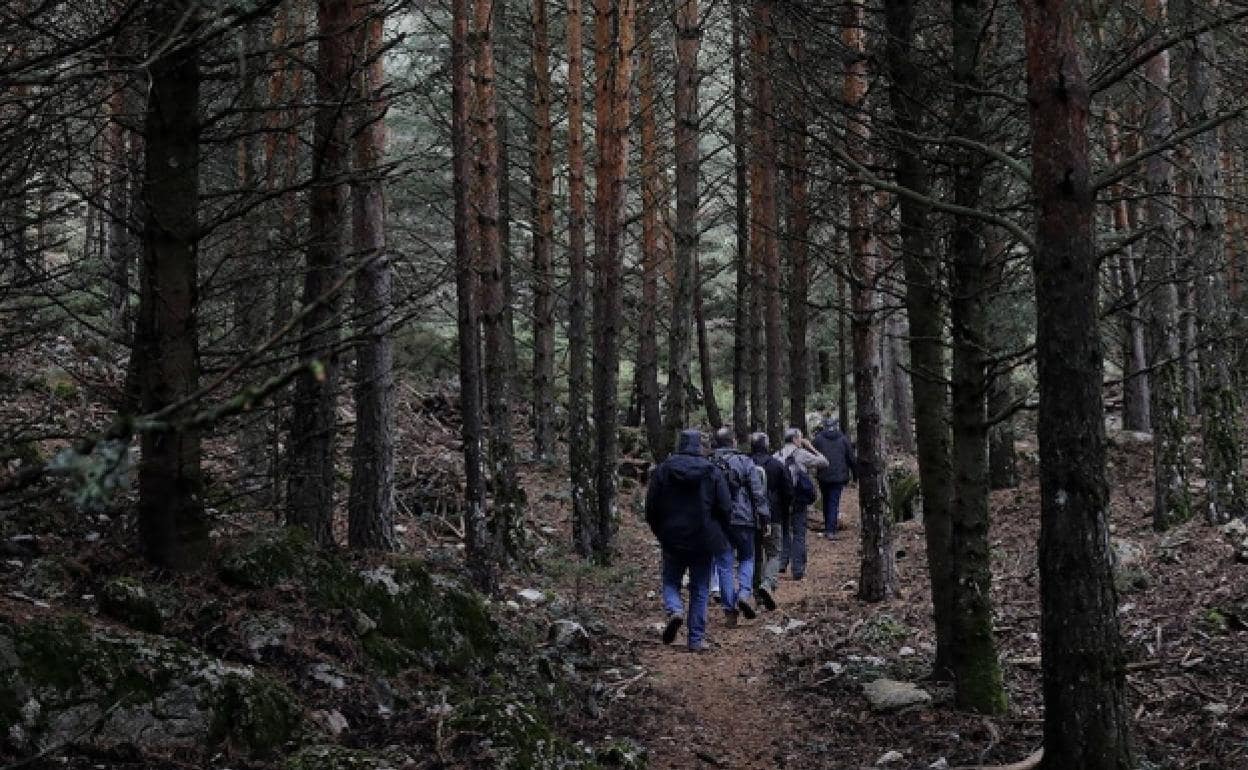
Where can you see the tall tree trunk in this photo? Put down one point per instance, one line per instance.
(878, 575)
(543, 242)
(842, 351)
(688, 163)
(741, 326)
(1135, 391)
(705, 367)
(899, 379)
(799, 237)
(500, 44)
(370, 522)
(977, 672)
(1085, 710)
(1002, 459)
(1170, 498)
(476, 532)
(652, 198)
(579, 439)
(924, 311)
(173, 529)
(507, 511)
(313, 421)
(613, 42)
(1221, 409)
(764, 225)
(118, 247)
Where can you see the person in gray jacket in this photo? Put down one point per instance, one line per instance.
(800, 458)
(749, 511)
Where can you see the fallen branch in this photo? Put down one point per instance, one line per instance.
(1030, 763)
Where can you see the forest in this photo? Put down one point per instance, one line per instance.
(342, 341)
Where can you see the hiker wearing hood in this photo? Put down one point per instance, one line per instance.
(749, 512)
(800, 460)
(779, 501)
(840, 470)
(688, 508)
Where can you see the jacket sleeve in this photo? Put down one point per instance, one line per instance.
(758, 490)
(652, 501)
(851, 459)
(721, 508)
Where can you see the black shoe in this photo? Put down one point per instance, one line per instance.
(766, 599)
(731, 618)
(798, 577)
(746, 609)
(673, 626)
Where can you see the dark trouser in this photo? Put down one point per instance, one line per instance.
(831, 493)
(793, 541)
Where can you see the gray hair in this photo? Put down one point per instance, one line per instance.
(724, 437)
(759, 442)
(791, 434)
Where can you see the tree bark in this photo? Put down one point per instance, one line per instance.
(705, 367)
(119, 254)
(1085, 714)
(1171, 504)
(579, 440)
(507, 510)
(799, 237)
(652, 257)
(370, 509)
(878, 574)
(688, 163)
(899, 379)
(977, 672)
(476, 532)
(764, 225)
(310, 492)
(1002, 459)
(543, 242)
(741, 327)
(173, 529)
(1221, 408)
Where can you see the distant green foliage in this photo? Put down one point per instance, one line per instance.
(97, 477)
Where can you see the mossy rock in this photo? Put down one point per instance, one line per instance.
(63, 680)
(48, 578)
(128, 601)
(339, 758)
(622, 753)
(270, 557)
(516, 736)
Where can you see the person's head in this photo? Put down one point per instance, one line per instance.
(793, 436)
(724, 438)
(831, 423)
(759, 442)
(690, 442)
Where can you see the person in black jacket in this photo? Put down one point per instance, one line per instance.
(687, 508)
(840, 470)
(780, 502)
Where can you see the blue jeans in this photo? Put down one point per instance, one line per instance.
(738, 584)
(793, 541)
(831, 493)
(699, 565)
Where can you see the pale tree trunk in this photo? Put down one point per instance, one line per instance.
(1221, 409)
(799, 237)
(899, 380)
(977, 672)
(116, 159)
(613, 43)
(173, 528)
(1135, 392)
(688, 163)
(579, 439)
(476, 531)
(652, 257)
(878, 574)
(507, 512)
(1085, 708)
(313, 421)
(705, 367)
(1171, 504)
(741, 328)
(764, 225)
(370, 522)
(543, 242)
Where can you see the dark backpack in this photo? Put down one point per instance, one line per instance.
(736, 482)
(803, 486)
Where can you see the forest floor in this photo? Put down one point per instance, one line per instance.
(782, 691)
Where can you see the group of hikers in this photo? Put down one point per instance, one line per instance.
(733, 522)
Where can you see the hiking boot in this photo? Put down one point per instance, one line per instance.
(766, 599)
(746, 609)
(673, 626)
(731, 618)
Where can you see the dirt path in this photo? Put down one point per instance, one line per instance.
(724, 709)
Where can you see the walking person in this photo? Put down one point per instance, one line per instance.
(801, 460)
(779, 502)
(687, 508)
(840, 470)
(746, 489)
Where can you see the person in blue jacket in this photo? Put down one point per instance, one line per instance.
(688, 508)
(840, 470)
